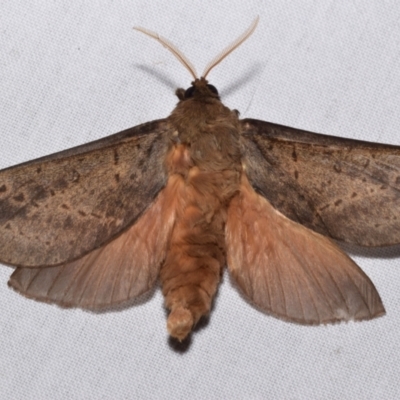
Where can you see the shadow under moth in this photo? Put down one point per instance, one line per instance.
(181, 197)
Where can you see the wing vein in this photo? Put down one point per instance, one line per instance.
(307, 271)
(90, 275)
(61, 268)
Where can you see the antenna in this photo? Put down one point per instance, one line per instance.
(233, 46)
(166, 43)
(215, 61)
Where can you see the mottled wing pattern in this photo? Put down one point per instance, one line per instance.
(290, 271)
(58, 208)
(346, 189)
(120, 270)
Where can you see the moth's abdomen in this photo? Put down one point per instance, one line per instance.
(192, 269)
(196, 256)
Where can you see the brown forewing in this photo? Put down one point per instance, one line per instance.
(346, 189)
(58, 208)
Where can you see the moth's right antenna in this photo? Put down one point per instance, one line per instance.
(228, 50)
(166, 43)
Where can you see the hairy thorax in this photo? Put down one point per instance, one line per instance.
(211, 132)
(205, 156)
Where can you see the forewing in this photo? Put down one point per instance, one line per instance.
(58, 208)
(290, 271)
(114, 273)
(346, 189)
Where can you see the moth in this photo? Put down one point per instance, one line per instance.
(181, 197)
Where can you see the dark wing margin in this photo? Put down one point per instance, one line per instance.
(342, 188)
(60, 207)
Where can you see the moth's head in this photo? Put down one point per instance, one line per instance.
(200, 88)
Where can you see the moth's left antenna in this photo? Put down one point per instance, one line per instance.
(166, 43)
(233, 46)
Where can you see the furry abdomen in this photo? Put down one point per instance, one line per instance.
(208, 161)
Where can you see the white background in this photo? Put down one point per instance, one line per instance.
(72, 72)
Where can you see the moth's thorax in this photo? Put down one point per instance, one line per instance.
(210, 130)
